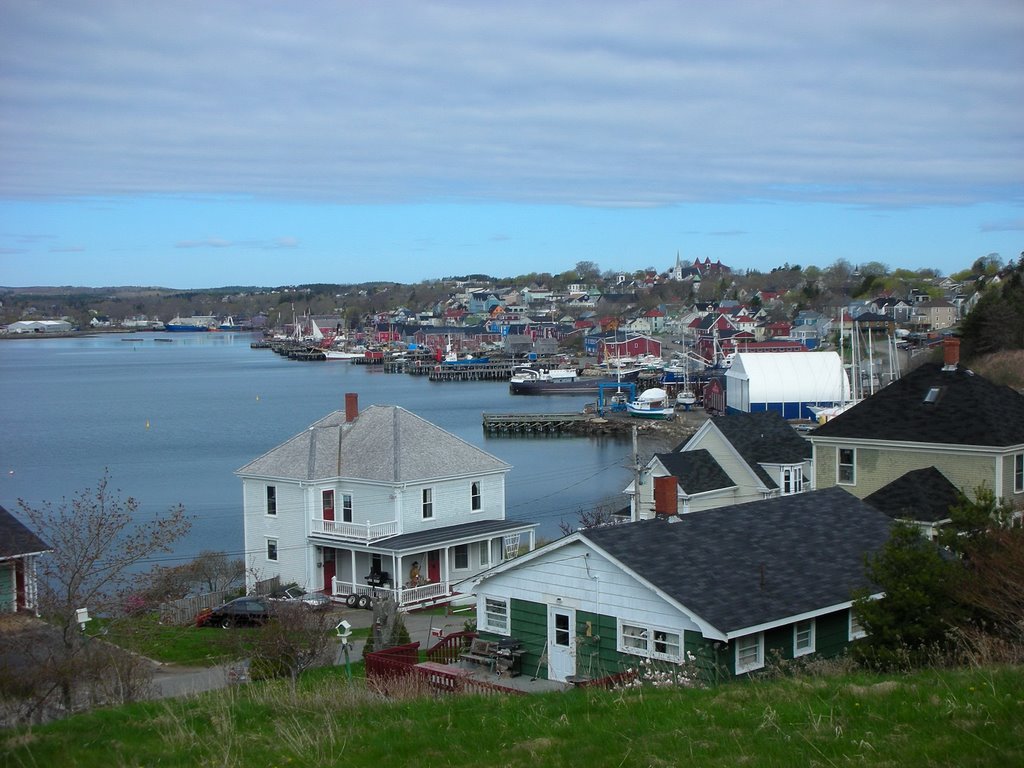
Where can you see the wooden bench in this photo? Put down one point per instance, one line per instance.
(480, 652)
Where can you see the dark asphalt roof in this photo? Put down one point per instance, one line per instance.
(696, 471)
(924, 494)
(16, 538)
(448, 534)
(967, 409)
(750, 564)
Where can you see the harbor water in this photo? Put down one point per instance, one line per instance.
(172, 416)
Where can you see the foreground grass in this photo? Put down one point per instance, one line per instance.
(964, 718)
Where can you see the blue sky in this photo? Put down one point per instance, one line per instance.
(196, 144)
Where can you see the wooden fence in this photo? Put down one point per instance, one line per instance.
(184, 611)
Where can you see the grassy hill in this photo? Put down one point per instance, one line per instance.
(935, 717)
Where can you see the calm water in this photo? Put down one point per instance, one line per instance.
(173, 420)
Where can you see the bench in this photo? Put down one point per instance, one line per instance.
(480, 652)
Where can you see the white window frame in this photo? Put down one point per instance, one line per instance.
(642, 640)
(855, 629)
(495, 614)
(1018, 473)
(460, 552)
(809, 629)
(428, 503)
(346, 508)
(485, 554)
(743, 643)
(272, 549)
(271, 500)
(476, 496)
(326, 494)
(852, 464)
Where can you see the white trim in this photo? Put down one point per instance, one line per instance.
(649, 635)
(793, 619)
(277, 552)
(812, 632)
(755, 664)
(854, 631)
(1018, 485)
(481, 609)
(839, 466)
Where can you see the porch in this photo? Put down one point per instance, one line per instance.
(362, 532)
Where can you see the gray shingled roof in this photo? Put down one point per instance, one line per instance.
(696, 471)
(385, 443)
(923, 494)
(968, 410)
(17, 539)
(755, 563)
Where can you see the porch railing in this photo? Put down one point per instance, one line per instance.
(403, 596)
(386, 666)
(354, 531)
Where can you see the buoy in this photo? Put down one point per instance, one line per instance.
(147, 423)
(257, 398)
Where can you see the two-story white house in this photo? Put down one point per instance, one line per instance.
(362, 504)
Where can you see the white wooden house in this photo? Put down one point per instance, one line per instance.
(730, 459)
(377, 502)
(719, 592)
(20, 549)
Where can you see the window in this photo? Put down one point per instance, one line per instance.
(846, 474)
(346, 507)
(271, 500)
(327, 497)
(474, 496)
(1018, 473)
(803, 637)
(461, 556)
(271, 549)
(856, 628)
(495, 615)
(428, 503)
(485, 553)
(633, 639)
(650, 641)
(749, 653)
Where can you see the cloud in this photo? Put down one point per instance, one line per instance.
(69, 249)
(1007, 225)
(209, 242)
(602, 104)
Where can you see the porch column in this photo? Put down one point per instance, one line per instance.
(447, 568)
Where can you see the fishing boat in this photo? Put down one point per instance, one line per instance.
(652, 403)
(535, 380)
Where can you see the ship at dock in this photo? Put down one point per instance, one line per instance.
(536, 380)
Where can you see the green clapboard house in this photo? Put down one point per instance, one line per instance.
(718, 591)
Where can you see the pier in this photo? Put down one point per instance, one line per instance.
(529, 423)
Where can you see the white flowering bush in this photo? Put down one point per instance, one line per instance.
(654, 673)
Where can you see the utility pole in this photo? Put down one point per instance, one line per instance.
(636, 480)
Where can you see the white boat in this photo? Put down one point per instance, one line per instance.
(344, 354)
(652, 403)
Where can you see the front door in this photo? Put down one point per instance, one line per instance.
(329, 570)
(561, 643)
(434, 566)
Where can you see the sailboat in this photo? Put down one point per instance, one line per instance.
(686, 397)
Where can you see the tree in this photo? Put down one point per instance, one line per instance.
(98, 545)
(588, 271)
(295, 640)
(917, 610)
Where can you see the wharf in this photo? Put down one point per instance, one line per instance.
(591, 424)
(535, 422)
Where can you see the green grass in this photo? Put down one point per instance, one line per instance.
(930, 718)
(185, 645)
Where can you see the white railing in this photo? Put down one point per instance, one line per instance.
(403, 596)
(354, 531)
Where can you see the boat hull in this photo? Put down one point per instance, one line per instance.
(175, 328)
(583, 386)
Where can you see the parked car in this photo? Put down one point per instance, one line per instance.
(240, 612)
(315, 601)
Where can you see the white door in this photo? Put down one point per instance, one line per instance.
(561, 642)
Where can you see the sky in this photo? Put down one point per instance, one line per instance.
(201, 144)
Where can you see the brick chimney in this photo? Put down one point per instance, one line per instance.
(666, 502)
(950, 353)
(351, 406)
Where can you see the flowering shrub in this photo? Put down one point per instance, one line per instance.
(662, 674)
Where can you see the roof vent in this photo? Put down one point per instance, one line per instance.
(933, 395)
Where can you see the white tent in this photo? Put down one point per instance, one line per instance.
(785, 382)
